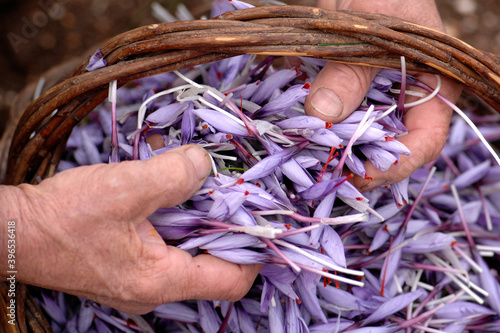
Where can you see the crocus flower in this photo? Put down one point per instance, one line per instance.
(96, 61)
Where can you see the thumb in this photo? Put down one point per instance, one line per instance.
(139, 188)
(338, 90)
(172, 177)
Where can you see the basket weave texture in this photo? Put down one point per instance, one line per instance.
(356, 38)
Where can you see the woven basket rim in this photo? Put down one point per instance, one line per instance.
(356, 38)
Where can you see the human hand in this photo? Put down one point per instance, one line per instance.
(85, 232)
(339, 89)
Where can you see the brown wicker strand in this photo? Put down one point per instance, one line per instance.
(357, 38)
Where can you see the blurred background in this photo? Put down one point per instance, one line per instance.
(36, 35)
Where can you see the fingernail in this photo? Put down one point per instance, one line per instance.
(327, 103)
(201, 161)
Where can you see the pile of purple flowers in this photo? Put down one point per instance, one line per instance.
(416, 255)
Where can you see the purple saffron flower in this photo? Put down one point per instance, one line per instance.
(381, 159)
(240, 4)
(222, 122)
(302, 122)
(294, 322)
(53, 310)
(345, 131)
(471, 210)
(240, 256)
(188, 125)
(472, 176)
(275, 81)
(165, 115)
(489, 283)
(220, 7)
(225, 205)
(323, 137)
(208, 317)
(85, 317)
(462, 310)
(392, 306)
(372, 329)
(276, 316)
(400, 192)
(102, 327)
(356, 165)
(380, 238)
(270, 163)
(281, 278)
(321, 189)
(333, 325)
(233, 241)
(332, 244)
(176, 217)
(296, 173)
(391, 263)
(342, 300)
(246, 323)
(431, 242)
(196, 242)
(284, 101)
(96, 61)
(309, 298)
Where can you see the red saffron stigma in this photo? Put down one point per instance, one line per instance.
(240, 181)
(243, 150)
(298, 301)
(258, 184)
(328, 124)
(385, 268)
(454, 243)
(336, 282)
(359, 199)
(313, 203)
(368, 178)
(288, 226)
(229, 136)
(389, 138)
(219, 75)
(307, 85)
(131, 323)
(247, 193)
(204, 126)
(385, 228)
(331, 157)
(396, 163)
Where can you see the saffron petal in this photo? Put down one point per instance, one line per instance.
(392, 306)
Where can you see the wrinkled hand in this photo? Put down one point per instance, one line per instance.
(339, 89)
(85, 232)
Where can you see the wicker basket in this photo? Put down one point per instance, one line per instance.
(357, 38)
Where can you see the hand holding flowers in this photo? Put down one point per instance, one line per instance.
(85, 232)
(340, 88)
